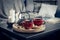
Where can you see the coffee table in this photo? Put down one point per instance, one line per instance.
(29, 36)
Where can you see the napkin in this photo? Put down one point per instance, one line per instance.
(53, 20)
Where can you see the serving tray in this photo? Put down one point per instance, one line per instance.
(35, 29)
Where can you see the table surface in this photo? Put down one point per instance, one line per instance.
(49, 27)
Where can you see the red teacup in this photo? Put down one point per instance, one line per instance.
(27, 24)
(38, 21)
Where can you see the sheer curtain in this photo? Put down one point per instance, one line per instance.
(29, 5)
(13, 8)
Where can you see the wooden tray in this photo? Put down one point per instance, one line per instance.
(35, 29)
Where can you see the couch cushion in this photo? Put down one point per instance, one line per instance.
(57, 14)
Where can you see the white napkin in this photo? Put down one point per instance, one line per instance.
(11, 17)
(53, 20)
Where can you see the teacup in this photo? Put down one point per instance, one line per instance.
(38, 21)
(27, 24)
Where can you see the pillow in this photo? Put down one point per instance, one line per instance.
(48, 10)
